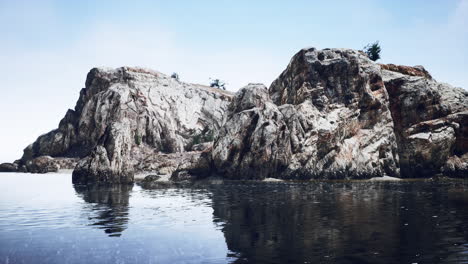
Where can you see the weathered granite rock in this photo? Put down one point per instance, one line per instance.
(44, 164)
(431, 124)
(407, 70)
(8, 167)
(254, 143)
(456, 166)
(129, 113)
(148, 111)
(193, 165)
(111, 160)
(151, 178)
(332, 113)
(41, 164)
(66, 163)
(197, 163)
(328, 117)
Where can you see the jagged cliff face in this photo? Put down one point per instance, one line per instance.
(326, 116)
(126, 113)
(332, 114)
(431, 122)
(254, 143)
(148, 113)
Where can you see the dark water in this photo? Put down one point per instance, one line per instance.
(45, 219)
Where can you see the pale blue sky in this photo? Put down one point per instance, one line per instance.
(47, 47)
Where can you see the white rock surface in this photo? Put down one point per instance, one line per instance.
(127, 114)
(332, 114)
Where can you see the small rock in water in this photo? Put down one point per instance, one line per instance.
(8, 167)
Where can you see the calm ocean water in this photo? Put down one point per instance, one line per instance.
(46, 219)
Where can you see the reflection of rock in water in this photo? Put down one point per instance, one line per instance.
(110, 205)
(338, 223)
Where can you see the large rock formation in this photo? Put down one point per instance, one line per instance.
(125, 115)
(332, 114)
(326, 116)
(431, 122)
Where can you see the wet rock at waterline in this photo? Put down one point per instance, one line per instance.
(41, 164)
(8, 167)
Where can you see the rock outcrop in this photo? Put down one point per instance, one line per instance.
(431, 123)
(326, 116)
(41, 164)
(178, 166)
(255, 142)
(146, 113)
(407, 70)
(44, 164)
(8, 167)
(126, 115)
(331, 114)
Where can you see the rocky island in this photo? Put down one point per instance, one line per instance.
(331, 114)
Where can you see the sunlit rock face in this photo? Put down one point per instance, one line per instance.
(124, 116)
(331, 114)
(431, 123)
(254, 143)
(326, 116)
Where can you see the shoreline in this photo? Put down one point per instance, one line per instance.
(165, 179)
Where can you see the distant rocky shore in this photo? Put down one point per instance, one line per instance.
(331, 114)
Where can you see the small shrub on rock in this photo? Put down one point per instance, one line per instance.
(373, 51)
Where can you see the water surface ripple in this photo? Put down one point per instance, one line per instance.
(46, 219)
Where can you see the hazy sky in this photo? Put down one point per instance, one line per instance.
(47, 47)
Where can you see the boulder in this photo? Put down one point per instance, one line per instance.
(193, 165)
(254, 143)
(45, 164)
(151, 178)
(42, 164)
(110, 161)
(456, 166)
(8, 167)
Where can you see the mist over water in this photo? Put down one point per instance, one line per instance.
(46, 219)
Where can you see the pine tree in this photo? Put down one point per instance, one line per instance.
(373, 51)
